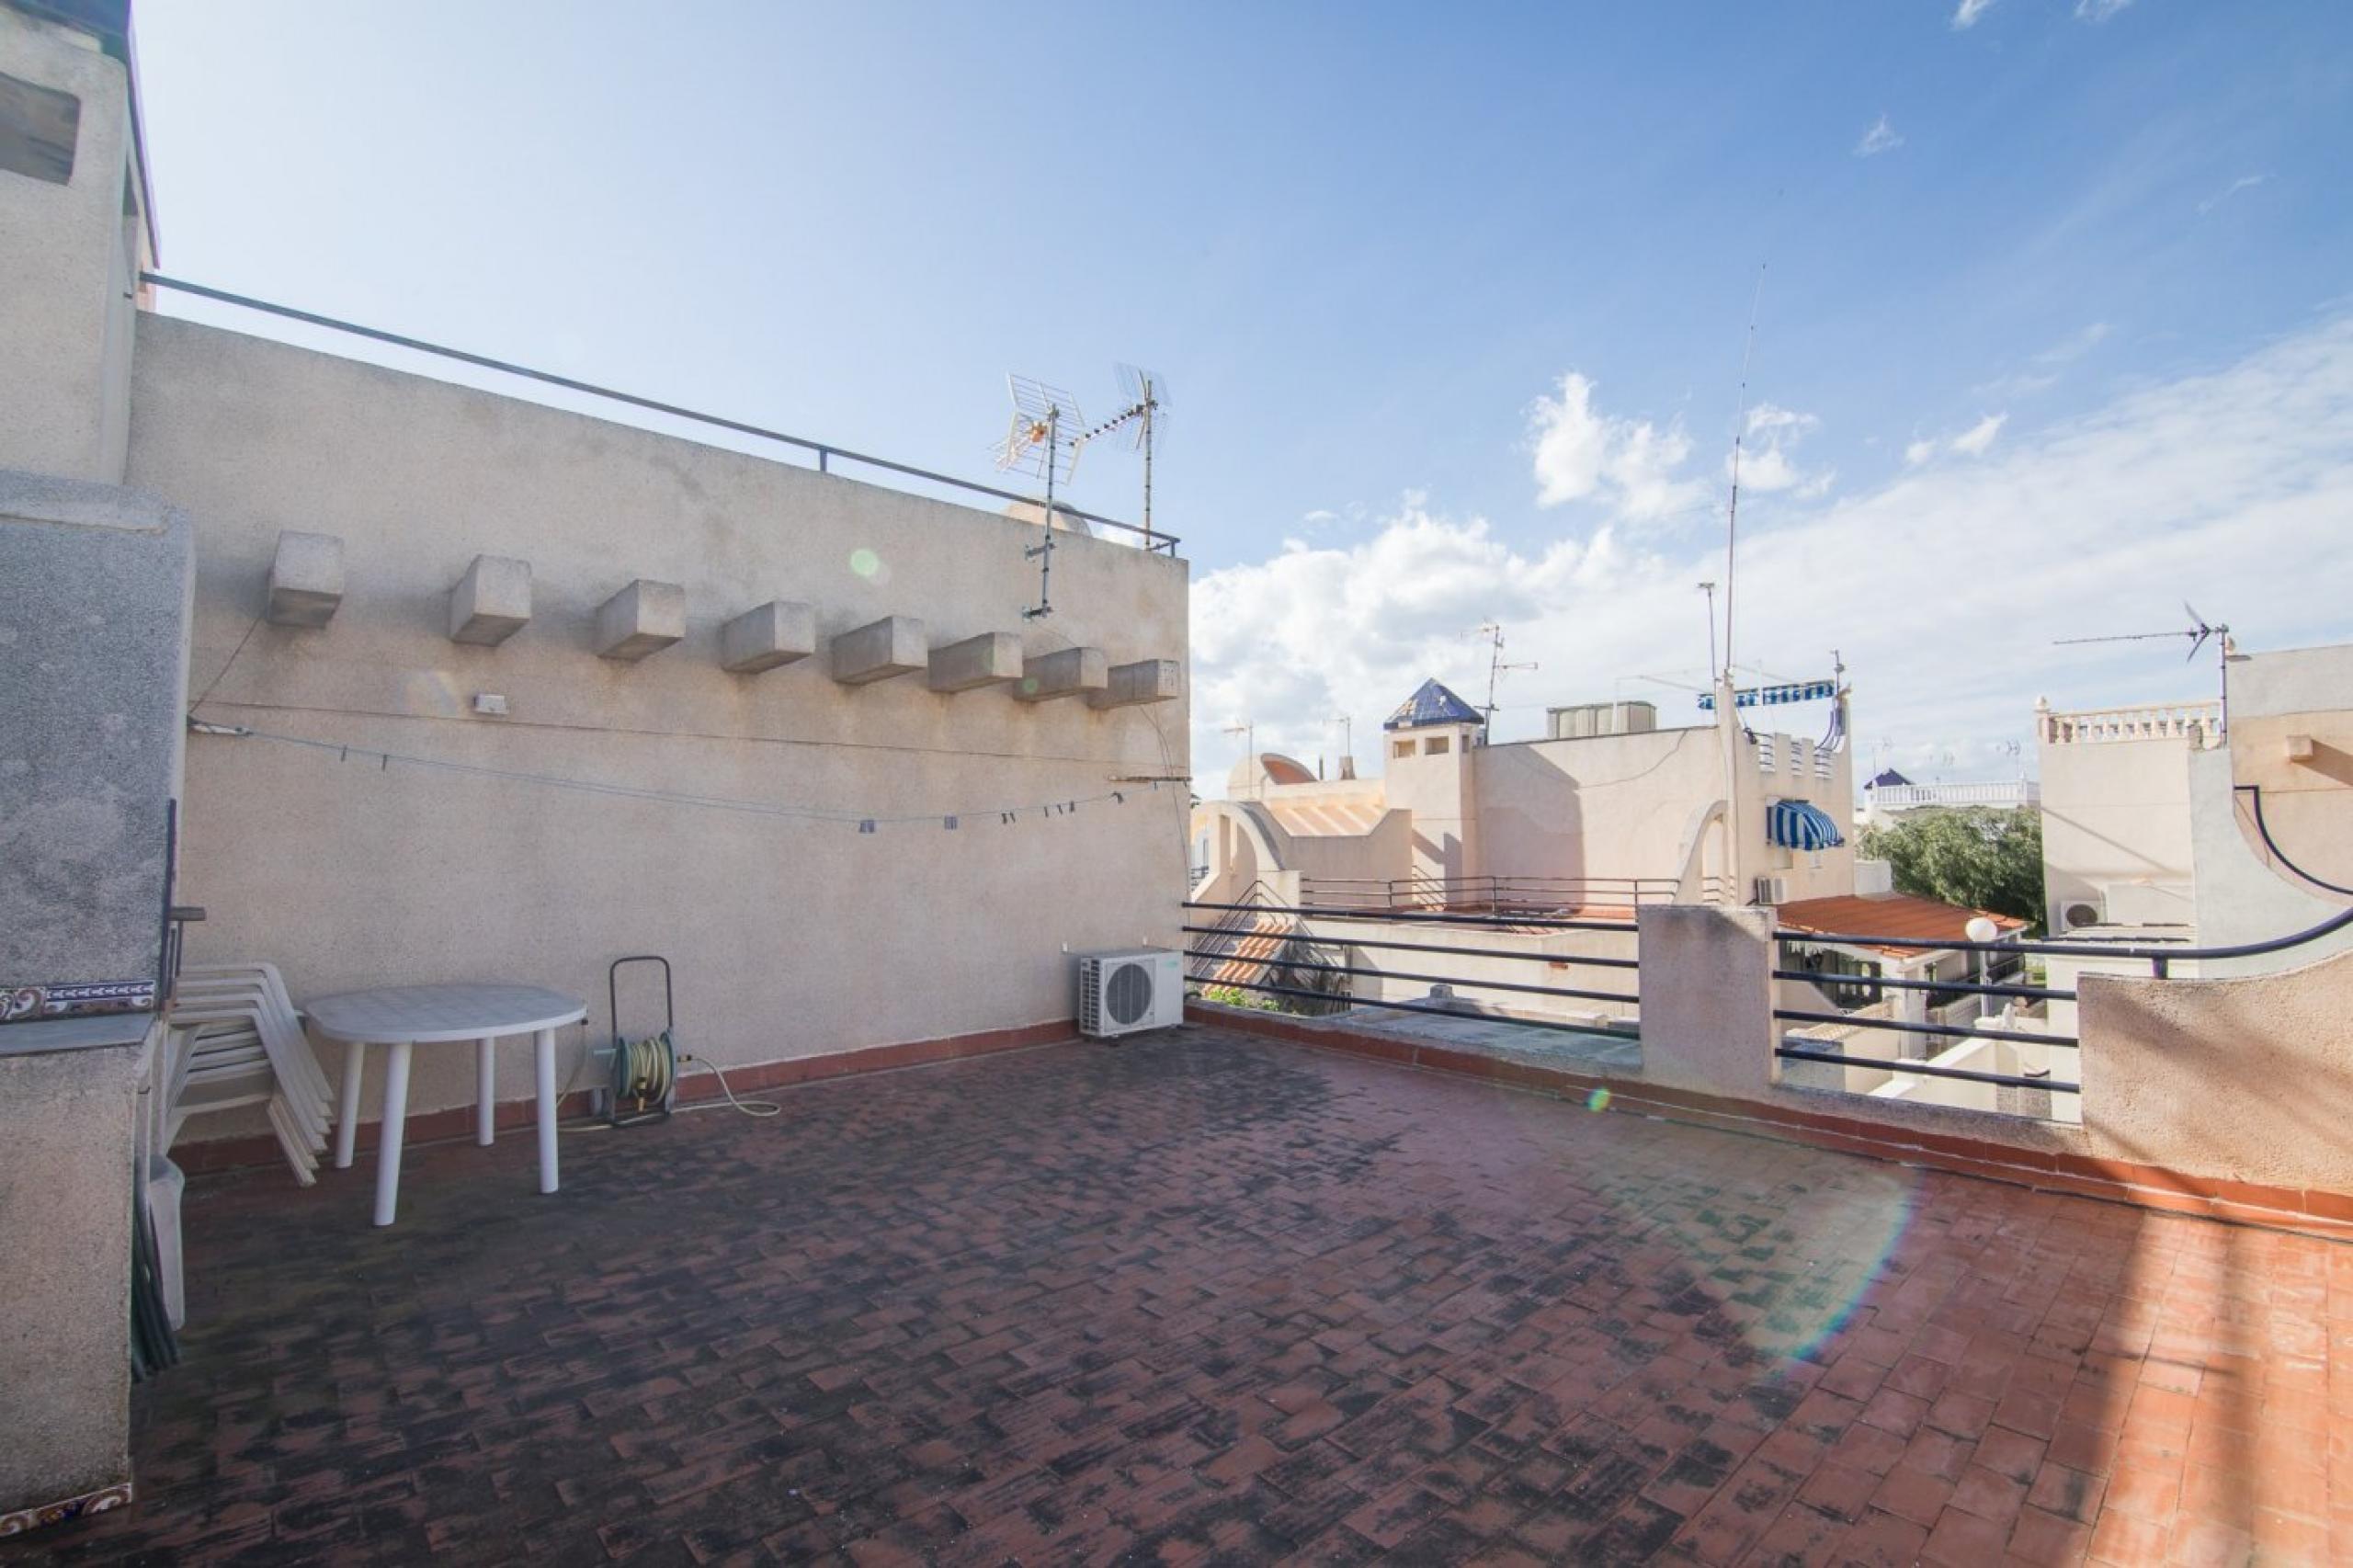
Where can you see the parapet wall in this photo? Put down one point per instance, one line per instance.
(795, 930)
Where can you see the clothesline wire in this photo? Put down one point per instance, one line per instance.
(864, 821)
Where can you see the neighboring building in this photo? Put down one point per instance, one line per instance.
(1887, 795)
(2175, 820)
(1607, 818)
(2114, 807)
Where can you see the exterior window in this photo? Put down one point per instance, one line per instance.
(1437, 745)
(1842, 977)
(38, 126)
(1402, 749)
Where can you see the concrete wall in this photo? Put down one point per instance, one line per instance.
(791, 937)
(1440, 790)
(1600, 806)
(2248, 1079)
(94, 660)
(68, 254)
(2116, 828)
(2244, 892)
(69, 1105)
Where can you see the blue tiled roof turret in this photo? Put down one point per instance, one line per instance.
(1432, 704)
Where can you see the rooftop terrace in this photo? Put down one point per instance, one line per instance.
(1208, 1296)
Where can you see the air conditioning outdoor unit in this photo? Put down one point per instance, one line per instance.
(1772, 889)
(2081, 912)
(1129, 990)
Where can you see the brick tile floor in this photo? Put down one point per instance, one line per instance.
(1209, 1298)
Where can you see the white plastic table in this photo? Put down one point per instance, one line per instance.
(402, 1016)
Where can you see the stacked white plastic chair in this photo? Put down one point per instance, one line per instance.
(235, 1041)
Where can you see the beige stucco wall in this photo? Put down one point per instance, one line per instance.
(2116, 826)
(2245, 893)
(1601, 806)
(791, 937)
(67, 256)
(1448, 838)
(2248, 1079)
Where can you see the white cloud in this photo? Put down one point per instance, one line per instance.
(1766, 464)
(2044, 369)
(1970, 443)
(1973, 441)
(2098, 10)
(1880, 138)
(1965, 15)
(2244, 182)
(1628, 465)
(1943, 587)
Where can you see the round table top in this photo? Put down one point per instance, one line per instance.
(424, 1013)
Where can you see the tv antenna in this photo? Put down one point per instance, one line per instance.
(1493, 632)
(2198, 631)
(1145, 421)
(1347, 731)
(1248, 730)
(1043, 442)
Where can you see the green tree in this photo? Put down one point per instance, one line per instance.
(1976, 856)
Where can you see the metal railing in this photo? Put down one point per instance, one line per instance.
(1256, 945)
(2160, 956)
(1218, 933)
(826, 453)
(1495, 894)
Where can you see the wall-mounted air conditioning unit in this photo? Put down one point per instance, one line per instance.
(2081, 912)
(1772, 889)
(1132, 989)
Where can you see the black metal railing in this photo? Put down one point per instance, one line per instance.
(1999, 960)
(1496, 894)
(1210, 942)
(826, 452)
(1258, 947)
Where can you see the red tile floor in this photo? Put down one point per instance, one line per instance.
(1203, 1297)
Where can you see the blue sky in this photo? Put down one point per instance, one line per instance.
(2053, 332)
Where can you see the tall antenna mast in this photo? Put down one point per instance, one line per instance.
(1493, 632)
(1043, 442)
(1739, 432)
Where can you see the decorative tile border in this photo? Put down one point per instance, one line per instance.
(26, 1004)
(98, 1502)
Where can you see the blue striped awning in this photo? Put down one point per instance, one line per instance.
(1794, 825)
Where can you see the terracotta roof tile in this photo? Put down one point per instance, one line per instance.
(1899, 915)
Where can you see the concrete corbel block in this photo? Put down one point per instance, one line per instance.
(492, 601)
(1066, 672)
(989, 659)
(779, 632)
(305, 579)
(879, 650)
(1146, 681)
(644, 617)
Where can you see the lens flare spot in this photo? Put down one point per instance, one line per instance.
(864, 562)
(1029, 686)
(1597, 1100)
